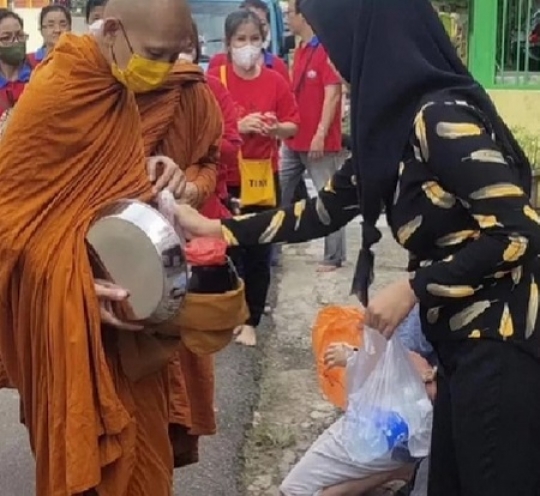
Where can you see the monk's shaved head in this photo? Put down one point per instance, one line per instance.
(153, 29)
(146, 10)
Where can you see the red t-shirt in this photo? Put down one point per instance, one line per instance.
(270, 62)
(230, 146)
(268, 92)
(312, 73)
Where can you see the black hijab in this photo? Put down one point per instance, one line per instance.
(394, 54)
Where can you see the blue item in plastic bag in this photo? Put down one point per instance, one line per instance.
(376, 434)
(388, 411)
(393, 426)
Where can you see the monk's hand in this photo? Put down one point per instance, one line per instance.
(191, 195)
(165, 173)
(196, 225)
(107, 292)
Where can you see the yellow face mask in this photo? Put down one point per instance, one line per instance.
(141, 75)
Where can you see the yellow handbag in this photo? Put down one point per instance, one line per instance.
(257, 183)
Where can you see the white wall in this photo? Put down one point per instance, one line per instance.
(31, 26)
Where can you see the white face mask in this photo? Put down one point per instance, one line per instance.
(247, 56)
(96, 26)
(266, 42)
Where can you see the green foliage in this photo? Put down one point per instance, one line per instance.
(530, 144)
(452, 5)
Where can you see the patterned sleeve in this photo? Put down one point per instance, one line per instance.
(455, 145)
(336, 205)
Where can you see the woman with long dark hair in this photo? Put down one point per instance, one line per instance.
(429, 145)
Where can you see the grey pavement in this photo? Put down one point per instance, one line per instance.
(218, 473)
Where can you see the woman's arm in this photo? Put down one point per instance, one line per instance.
(335, 206)
(286, 130)
(468, 164)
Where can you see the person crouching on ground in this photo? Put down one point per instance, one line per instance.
(326, 469)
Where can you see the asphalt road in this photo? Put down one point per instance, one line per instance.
(218, 473)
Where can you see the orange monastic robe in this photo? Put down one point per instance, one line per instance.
(74, 145)
(183, 121)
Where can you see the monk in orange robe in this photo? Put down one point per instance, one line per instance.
(182, 120)
(73, 146)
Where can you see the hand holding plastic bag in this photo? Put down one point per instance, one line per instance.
(388, 409)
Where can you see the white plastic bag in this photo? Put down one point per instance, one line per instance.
(388, 411)
(166, 206)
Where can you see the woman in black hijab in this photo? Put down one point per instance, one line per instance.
(430, 146)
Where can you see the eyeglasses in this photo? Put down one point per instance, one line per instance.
(51, 26)
(10, 39)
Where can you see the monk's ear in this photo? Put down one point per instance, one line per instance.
(110, 29)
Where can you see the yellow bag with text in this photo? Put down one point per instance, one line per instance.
(257, 184)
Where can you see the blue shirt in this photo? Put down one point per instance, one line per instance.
(268, 59)
(411, 335)
(23, 76)
(40, 54)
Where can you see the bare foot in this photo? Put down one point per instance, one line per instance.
(327, 268)
(246, 335)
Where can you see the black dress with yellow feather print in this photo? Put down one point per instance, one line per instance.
(459, 210)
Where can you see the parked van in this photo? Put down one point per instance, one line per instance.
(210, 17)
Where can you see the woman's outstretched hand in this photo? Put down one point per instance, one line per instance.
(196, 225)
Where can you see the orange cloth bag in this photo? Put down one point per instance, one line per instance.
(206, 321)
(335, 324)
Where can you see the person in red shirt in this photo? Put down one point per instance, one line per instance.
(15, 69)
(215, 206)
(53, 21)
(267, 113)
(268, 59)
(316, 148)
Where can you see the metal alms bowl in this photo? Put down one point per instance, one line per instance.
(143, 253)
